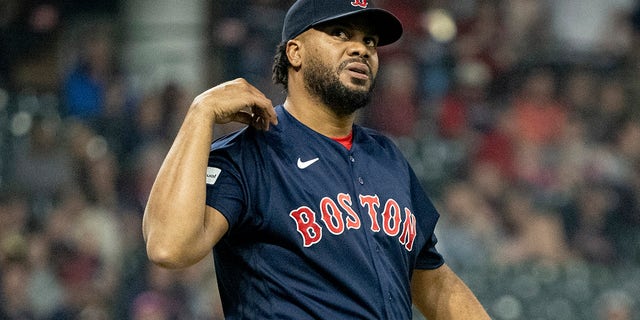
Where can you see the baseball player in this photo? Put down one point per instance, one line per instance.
(309, 215)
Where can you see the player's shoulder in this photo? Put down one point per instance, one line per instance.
(377, 138)
(229, 140)
(250, 141)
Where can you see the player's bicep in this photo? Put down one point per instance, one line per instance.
(441, 294)
(216, 225)
(427, 284)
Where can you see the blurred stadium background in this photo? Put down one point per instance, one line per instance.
(521, 117)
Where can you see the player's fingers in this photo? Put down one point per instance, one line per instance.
(243, 103)
(264, 116)
(260, 122)
(252, 119)
(243, 117)
(256, 101)
(264, 108)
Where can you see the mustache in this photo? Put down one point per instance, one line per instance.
(345, 63)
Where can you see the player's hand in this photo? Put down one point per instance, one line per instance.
(237, 101)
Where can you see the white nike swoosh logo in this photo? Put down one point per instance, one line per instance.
(306, 164)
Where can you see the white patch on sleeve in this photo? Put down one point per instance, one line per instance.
(212, 175)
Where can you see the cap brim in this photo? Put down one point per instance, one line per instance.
(387, 26)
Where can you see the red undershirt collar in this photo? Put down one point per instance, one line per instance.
(346, 141)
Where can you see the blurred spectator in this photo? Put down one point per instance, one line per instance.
(531, 234)
(8, 16)
(490, 182)
(394, 109)
(574, 163)
(528, 35)
(46, 292)
(146, 163)
(42, 166)
(617, 38)
(246, 35)
(14, 264)
(151, 306)
(28, 37)
(95, 165)
(481, 36)
(14, 212)
(102, 179)
(580, 94)
(465, 110)
(85, 255)
(159, 115)
(628, 140)
(612, 109)
(15, 302)
(469, 227)
(162, 285)
(94, 86)
(134, 263)
(409, 12)
(201, 286)
(496, 148)
(619, 172)
(589, 222)
(538, 116)
(537, 121)
(116, 123)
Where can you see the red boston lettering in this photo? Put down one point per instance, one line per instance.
(409, 230)
(331, 216)
(371, 203)
(307, 226)
(339, 215)
(353, 221)
(391, 218)
(359, 3)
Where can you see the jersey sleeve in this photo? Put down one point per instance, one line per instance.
(224, 188)
(429, 258)
(427, 216)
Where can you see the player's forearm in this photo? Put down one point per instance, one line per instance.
(441, 295)
(458, 303)
(174, 218)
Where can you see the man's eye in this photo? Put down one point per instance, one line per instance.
(340, 34)
(371, 42)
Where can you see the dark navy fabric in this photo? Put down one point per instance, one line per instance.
(318, 231)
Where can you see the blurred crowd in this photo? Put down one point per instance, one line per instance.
(520, 117)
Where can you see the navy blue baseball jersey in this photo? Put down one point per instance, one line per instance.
(317, 231)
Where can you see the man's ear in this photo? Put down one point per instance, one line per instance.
(294, 53)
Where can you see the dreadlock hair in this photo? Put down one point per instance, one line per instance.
(281, 66)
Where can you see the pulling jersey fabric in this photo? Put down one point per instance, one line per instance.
(317, 231)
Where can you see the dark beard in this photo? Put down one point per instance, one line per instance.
(325, 84)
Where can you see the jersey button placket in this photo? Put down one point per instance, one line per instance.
(353, 161)
(374, 247)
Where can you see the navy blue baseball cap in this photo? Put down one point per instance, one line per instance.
(305, 14)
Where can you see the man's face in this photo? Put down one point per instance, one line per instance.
(341, 65)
